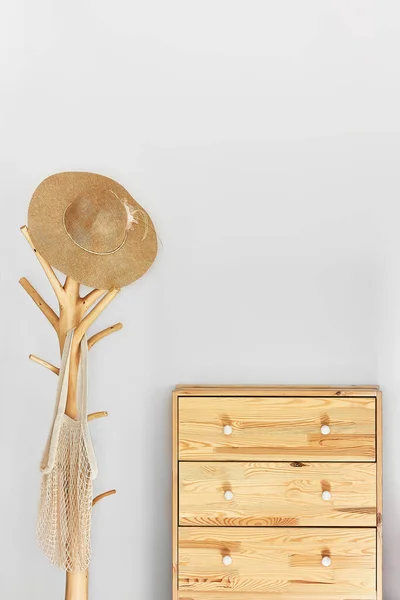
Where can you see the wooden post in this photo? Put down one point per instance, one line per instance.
(77, 586)
(79, 313)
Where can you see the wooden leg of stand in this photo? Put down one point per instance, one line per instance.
(77, 586)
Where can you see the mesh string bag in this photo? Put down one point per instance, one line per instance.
(68, 467)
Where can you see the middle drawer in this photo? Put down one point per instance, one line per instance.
(277, 494)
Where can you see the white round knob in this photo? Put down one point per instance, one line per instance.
(326, 495)
(326, 561)
(325, 429)
(227, 560)
(228, 495)
(227, 429)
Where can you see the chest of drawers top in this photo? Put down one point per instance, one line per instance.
(277, 493)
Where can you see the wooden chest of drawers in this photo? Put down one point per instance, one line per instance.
(277, 493)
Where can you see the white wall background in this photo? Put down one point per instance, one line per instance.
(263, 138)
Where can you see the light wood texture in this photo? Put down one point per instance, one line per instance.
(277, 494)
(40, 303)
(379, 490)
(82, 323)
(102, 334)
(276, 428)
(331, 595)
(73, 314)
(51, 276)
(91, 298)
(265, 493)
(278, 560)
(277, 390)
(44, 363)
(174, 496)
(97, 415)
(91, 342)
(73, 311)
(103, 495)
(77, 586)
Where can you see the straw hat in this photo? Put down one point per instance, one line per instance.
(90, 228)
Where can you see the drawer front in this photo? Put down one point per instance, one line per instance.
(277, 562)
(277, 494)
(279, 428)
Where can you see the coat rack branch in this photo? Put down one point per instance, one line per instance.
(102, 334)
(103, 495)
(40, 303)
(91, 298)
(94, 313)
(51, 276)
(97, 415)
(91, 342)
(44, 363)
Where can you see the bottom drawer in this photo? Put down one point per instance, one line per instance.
(276, 563)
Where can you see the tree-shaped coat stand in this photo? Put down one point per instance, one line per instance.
(90, 228)
(80, 313)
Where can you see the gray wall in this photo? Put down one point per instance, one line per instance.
(263, 138)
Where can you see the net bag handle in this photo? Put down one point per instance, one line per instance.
(59, 417)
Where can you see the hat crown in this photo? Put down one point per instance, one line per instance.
(96, 221)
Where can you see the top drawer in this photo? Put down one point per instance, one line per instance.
(276, 428)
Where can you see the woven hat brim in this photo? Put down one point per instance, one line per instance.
(46, 227)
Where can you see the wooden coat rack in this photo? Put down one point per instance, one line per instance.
(79, 313)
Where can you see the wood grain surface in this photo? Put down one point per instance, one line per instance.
(379, 492)
(277, 390)
(277, 428)
(174, 496)
(331, 595)
(278, 561)
(277, 494)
